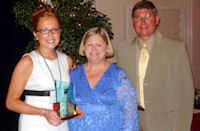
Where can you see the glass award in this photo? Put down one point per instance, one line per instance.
(65, 104)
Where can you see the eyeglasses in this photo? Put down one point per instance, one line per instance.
(146, 17)
(46, 31)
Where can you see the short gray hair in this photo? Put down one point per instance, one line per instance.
(145, 4)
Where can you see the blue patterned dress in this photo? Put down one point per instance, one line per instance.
(110, 106)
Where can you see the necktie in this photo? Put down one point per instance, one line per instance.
(143, 61)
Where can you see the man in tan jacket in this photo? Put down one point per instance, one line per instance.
(165, 93)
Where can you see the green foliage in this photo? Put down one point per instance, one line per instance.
(77, 16)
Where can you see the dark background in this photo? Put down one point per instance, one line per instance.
(12, 46)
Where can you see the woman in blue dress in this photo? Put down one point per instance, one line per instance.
(103, 90)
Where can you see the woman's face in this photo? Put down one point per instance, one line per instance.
(48, 32)
(95, 49)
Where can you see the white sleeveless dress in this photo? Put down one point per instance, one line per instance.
(41, 80)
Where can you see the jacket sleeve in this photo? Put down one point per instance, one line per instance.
(184, 91)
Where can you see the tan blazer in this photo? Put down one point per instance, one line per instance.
(168, 84)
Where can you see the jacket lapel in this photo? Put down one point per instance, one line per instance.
(154, 54)
(133, 59)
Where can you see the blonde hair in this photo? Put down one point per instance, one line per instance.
(104, 35)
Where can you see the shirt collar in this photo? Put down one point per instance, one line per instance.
(149, 42)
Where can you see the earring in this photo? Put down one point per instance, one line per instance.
(36, 44)
(107, 51)
(35, 38)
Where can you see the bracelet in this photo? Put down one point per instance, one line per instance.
(41, 111)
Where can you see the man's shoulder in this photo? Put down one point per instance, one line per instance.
(169, 41)
(172, 43)
(127, 43)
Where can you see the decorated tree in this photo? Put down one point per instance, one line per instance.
(77, 16)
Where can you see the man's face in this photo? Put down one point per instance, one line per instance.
(145, 23)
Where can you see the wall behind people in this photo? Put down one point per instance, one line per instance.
(179, 20)
(196, 45)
